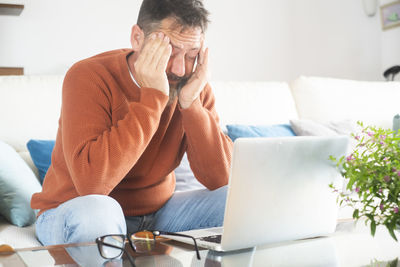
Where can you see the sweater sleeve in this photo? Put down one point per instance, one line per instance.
(98, 151)
(208, 148)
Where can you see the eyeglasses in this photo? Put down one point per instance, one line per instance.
(112, 246)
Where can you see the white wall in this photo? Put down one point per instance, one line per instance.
(282, 39)
(335, 38)
(249, 40)
(50, 35)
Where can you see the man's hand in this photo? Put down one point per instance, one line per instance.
(152, 62)
(197, 81)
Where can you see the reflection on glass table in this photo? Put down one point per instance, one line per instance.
(88, 255)
(144, 242)
(350, 245)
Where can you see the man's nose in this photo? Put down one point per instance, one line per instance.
(178, 66)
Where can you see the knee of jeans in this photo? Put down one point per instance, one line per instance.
(93, 216)
(220, 192)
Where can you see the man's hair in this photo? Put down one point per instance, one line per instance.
(187, 13)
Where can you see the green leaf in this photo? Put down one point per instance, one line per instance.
(355, 214)
(370, 216)
(351, 182)
(391, 231)
(393, 263)
(373, 228)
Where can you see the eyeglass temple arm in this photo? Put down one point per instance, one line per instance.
(182, 235)
(125, 251)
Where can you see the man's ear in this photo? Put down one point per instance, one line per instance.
(137, 38)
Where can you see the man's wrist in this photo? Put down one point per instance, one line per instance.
(186, 101)
(185, 104)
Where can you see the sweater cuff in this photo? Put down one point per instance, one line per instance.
(194, 116)
(195, 107)
(153, 98)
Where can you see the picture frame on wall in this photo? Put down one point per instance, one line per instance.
(390, 15)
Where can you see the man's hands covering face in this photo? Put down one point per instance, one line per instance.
(197, 81)
(152, 63)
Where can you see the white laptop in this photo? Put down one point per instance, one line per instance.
(278, 191)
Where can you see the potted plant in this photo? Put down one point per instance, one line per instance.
(372, 173)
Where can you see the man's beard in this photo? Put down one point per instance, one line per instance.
(176, 86)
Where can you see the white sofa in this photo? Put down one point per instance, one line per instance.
(30, 107)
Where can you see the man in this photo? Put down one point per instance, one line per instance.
(127, 118)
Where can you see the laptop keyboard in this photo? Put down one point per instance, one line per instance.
(212, 238)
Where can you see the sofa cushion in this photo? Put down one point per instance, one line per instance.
(28, 159)
(17, 184)
(17, 237)
(328, 99)
(328, 128)
(310, 127)
(40, 151)
(253, 103)
(235, 131)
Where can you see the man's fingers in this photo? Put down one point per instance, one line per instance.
(200, 59)
(145, 49)
(205, 57)
(162, 63)
(156, 48)
(159, 55)
(147, 43)
(151, 47)
(202, 63)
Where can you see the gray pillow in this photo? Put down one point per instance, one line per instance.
(330, 128)
(17, 184)
(310, 127)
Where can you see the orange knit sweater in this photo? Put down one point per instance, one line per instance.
(119, 140)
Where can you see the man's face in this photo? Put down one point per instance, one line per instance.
(186, 46)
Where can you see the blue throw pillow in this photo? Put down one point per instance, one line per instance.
(17, 184)
(40, 151)
(276, 130)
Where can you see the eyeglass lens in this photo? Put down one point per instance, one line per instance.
(112, 252)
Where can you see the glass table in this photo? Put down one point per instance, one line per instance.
(350, 245)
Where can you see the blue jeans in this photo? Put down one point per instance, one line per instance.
(85, 218)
